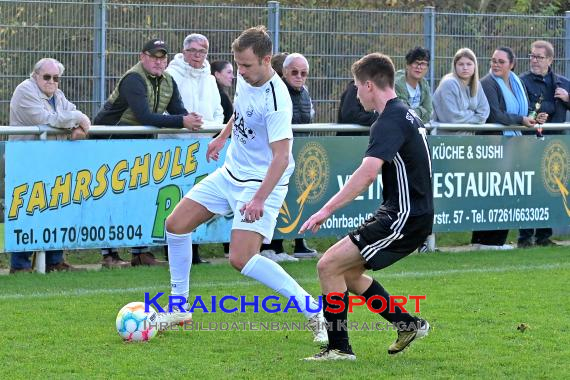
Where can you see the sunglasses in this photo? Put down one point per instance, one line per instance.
(297, 72)
(48, 77)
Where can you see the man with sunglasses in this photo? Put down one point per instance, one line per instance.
(39, 101)
(295, 73)
(143, 96)
(552, 90)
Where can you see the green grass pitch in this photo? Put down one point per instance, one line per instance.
(62, 325)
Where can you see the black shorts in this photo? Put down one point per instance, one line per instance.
(384, 239)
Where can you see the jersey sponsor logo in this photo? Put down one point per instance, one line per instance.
(241, 132)
(411, 116)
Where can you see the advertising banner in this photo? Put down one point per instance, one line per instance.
(117, 193)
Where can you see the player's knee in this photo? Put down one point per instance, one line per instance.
(237, 262)
(324, 266)
(173, 225)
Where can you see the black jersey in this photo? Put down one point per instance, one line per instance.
(398, 138)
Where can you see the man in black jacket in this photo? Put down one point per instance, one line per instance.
(542, 81)
(552, 89)
(142, 96)
(145, 92)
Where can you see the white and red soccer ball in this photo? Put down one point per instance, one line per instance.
(134, 325)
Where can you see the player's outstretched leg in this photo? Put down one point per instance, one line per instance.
(180, 262)
(187, 215)
(245, 258)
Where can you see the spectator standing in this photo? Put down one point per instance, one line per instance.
(277, 63)
(36, 101)
(459, 97)
(145, 95)
(223, 71)
(508, 105)
(199, 91)
(295, 73)
(350, 111)
(191, 72)
(412, 87)
(542, 83)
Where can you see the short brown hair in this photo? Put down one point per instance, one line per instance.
(375, 67)
(547, 46)
(277, 62)
(255, 38)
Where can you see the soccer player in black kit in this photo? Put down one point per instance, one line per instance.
(397, 147)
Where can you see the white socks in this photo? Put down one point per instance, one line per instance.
(270, 274)
(180, 262)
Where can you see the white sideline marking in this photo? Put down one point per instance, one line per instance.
(153, 289)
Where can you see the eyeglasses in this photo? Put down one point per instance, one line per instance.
(48, 77)
(297, 72)
(420, 64)
(539, 58)
(498, 61)
(200, 52)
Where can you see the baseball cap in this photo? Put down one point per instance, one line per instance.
(156, 47)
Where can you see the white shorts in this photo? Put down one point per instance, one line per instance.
(220, 194)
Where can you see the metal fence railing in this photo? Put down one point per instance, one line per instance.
(98, 40)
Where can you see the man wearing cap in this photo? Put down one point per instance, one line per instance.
(142, 97)
(145, 92)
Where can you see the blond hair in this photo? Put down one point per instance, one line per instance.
(474, 80)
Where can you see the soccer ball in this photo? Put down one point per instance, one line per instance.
(134, 325)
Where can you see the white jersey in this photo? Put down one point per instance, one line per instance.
(262, 116)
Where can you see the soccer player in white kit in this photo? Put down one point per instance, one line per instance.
(252, 182)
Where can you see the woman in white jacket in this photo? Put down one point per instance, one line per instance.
(197, 86)
(459, 97)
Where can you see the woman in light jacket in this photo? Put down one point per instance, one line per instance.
(459, 98)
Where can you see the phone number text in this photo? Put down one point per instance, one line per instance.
(78, 234)
(493, 215)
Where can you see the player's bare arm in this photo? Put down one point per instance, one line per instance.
(359, 181)
(253, 210)
(217, 144)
